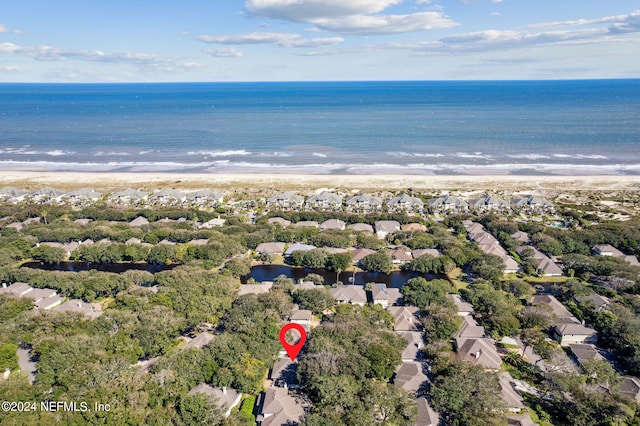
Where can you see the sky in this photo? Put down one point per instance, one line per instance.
(315, 40)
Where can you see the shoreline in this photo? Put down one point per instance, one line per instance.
(282, 181)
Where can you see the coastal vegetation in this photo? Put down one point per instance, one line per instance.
(132, 358)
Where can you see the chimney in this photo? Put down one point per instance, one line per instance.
(224, 390)
(5, 376)
(79, 304)
(477, 354)
(4, 285)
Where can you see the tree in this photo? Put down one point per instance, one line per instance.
(8, 357)
(377, 262)
(48, 254)
(237, 267)
(465, 394)
(316, 300)
(487, 266)
(338, 262)
(422, 293)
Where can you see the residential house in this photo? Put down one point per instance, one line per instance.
(306, 223)
(279, 221)
(285, 200)
(279, 408)
(405, 203)
(127, 196)
(384, 296)
(447, 203)
(351, 294)
(404, 318)
(523, 419)
(385, 227)
(82, 196)
(630, 387)
(83, 221)
(168, 197)
(594, 300)
(270, 249)
(463, 308)
(285, 373)
(560, 312)
(44, 195)
(361, 227)
(358, 254)
(200, 341)
(18, 289)
(263, 287)
(411, 352)
(569, 333)
(426, 415)
(531, 203)
(298, 247)
(364, 203)
(479, 351)
(520, 236)
(76, 305)
(511, 397)
(139, 221)
(11, 194)
(584, 352)
(302, 317)
(410, 377)
(400, 256)
(609, 250)
(324, 201)
(205, 197)
(470, 329)
(546, 266)
(422, 252)
(487, 203)
(413, 227)
(213, 223)
(226, 398)
(336, 224)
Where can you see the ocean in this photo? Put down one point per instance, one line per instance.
(483, 127)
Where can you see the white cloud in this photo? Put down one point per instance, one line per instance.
(10, 68)
(5, 29)
(279, 39)
(574, 32)
(49, 53)
(350, 17)
(225, 52)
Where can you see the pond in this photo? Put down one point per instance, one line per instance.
(117, 268)
(395, 279)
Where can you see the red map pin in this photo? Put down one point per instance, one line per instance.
(292, 349)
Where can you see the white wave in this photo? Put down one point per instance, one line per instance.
(227, 153)
(478, 155)
(429, 155)
(529, 156)
(146, 152)
(59, 152)
(275, 154)
(317, 154)
(111, 154)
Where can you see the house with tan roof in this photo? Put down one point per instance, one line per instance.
(139, 221)
(405, 318)
(478, 351)
(75, 305)
(200, 341)
(385, 227)
(427, 416)
(569, 333)
(400, 256)
(360, 253)
(511, 397)
(279, 221)
(351, 294)
(336, 224)
(410, 377)
(385, 296)
(279, 408)
(415, 343)
(270, 248)
(285, 373)
(361, 227)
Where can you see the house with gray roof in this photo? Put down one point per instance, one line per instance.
(76, 305)
(336, 224)
(324, 201)
(301, 316)
(205, 197)
(285, 200)
(521, 236)
(405, 318)
(263, 287)
(82, 196)
(306, 223)
(410, 377)
(279, 221)
(127, 196)
(488, 203)
(385, 296)
(584, 352)
(270, 249)
(609, 250)
(351, 294)
(298, 247)
(45, 195)
(200, 341)
(168, 196)
(139, 221)
(511, 397)
(425, 252)
(17, 289)
(386, 227)
(226, 398)
(596, 301)
(361, 227)
(415, 343)
(463, 307)
(470, 329)
(447, 203)
(213, 223)
(569, 333)
(546, 266)
(280, 408)
(285, 373)
(360, 253)
(405, 203)
(532, 203)
(479, 351)
(427, 416)
(630, 387)
(364, 203)
(8, 193)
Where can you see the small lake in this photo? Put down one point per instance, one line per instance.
(116, 268)
(395, 279)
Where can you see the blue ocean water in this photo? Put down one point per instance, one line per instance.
(520, 127)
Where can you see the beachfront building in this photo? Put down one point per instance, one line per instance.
(286, 201)
(205, 197)
(82, 197)
(364, 203)
(127, 196)
(447, 203)
(168, 197)
(324, 201)
(11, 194)
(405, 203)
(487, 203)
(532, 203)
(44, 195)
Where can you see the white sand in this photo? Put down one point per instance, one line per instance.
(253, 182)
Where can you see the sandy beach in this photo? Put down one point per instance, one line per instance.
(302, 182)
